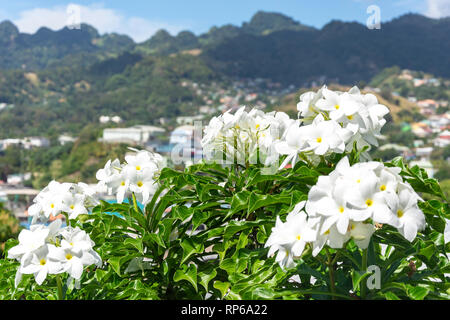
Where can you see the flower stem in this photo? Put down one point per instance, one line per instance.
(364, 269)
(330, 264)
(60, 287)
(135, 202)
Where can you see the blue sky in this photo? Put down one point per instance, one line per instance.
(141, 18)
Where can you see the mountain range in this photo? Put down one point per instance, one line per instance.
(270, 45)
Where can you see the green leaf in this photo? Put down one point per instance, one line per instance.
(257, 201)
(187, 273)
(391, 296)
(190, 247)
(136, 243)
(428, 251)
(357, 277)
(222, 287)
(235, 226)
(156, 238)
(117, 262)
(206, 276)
(417, 293)
(239, 202)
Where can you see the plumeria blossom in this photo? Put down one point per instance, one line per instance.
(330, 237)
(41, 265)
(339, 106)
(362, 192)
(48, 250)
(56, 198)
(307, 106)
(332, 122)
(408, 218)
(291, 237)
(324, 136)
(245, 137)
(29, 242)
(345, 205)
(137, 175)
(361, 233)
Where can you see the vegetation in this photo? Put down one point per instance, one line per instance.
(9, 227)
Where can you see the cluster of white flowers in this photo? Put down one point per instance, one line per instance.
(348, 204)
(51, 249)
(137, 175)
(245, 137)
(73, 199)
(331, 122)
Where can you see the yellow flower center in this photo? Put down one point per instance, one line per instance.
(336, 107)
(52, 206)
(319, 139)
(69, 256)
(42, 262)
(383, 187)
(138, 168)
(341, 209)
(140, 184)
(298, 237)
(350, 117)
(237, 126)
(400, 213)
(257, 126)
(352, 227)
(122, 183)
(358, 181)
(327, 232)
(72, 206)
(369, 202)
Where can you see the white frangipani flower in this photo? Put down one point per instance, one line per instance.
(29, 241)
(291, 237)
(245, 137)
(339, 106)
(352, 199)
(138, 175)
(408, 218)
(40, 264)
(361, 233)
(56, 198)
(45, 250)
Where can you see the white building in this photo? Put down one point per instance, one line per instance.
(442, 140)
(135, 135)
(26, 143)
(116, 119)
(188, 120)
(183, 135)
(63, 139)
(18, 178)
(424, 153)
(36, 142)
(106, 119)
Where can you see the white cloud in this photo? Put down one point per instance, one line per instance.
(105, 20)
(438, 8)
